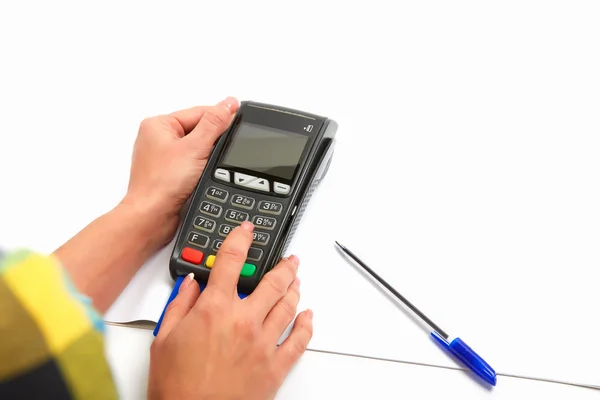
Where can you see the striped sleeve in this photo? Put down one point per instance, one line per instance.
(51, 338)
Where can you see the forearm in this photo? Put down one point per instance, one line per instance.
(103, 257)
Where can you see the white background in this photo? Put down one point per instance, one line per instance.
(466, 169)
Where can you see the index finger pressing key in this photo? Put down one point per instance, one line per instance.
(230, 259)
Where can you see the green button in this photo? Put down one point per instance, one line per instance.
(248, 270)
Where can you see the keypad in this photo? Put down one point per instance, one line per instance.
(238, 200)
(270, 207)
(211, 209)
(264, 222)
(205, 224)
(220, 212)
(236, 216)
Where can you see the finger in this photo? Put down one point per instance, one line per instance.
(230, 259)
(188, 118)
(273, 286)
(295, 344)
(215, 120)
(189, 291)
(280, 317)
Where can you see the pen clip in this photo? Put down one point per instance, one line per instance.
(471, 359)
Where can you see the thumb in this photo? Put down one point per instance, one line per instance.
(180, 306)
(214, 121)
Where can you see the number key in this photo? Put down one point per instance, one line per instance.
(225, 229)
(217, 194)
(204, 224)
(211, 209)
(264, 222)
(270, 207)
(217, 244)
(236, 216)
(242, 201)
(261, 238)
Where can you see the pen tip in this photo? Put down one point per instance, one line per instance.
(339, 244)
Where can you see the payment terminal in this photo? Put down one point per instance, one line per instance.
(263, 169)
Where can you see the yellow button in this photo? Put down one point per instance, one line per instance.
(210, 261)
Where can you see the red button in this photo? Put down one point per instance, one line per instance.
(191, 255)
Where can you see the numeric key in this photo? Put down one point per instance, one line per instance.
(205, 224)
(246, 202)
(225, 229)
(260, 238)
(217, 244)
(211, 209)
(217, 194)
(236, 216)
(270, 207)
(264, 222)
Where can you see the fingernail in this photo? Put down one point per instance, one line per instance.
(294, 259)
(229, 102)
(186, 282)
(309, 314)
(247, 225)
(297, 281)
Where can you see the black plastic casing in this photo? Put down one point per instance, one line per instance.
(312, 168)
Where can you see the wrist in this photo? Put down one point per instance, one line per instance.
(103, 257)
(155, 224)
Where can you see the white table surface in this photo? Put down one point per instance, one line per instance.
(326, 376)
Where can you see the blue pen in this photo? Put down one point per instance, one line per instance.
(456, 347)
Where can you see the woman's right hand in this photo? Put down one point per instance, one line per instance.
(215, 345)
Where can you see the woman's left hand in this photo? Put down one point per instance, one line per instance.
(169, 156)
